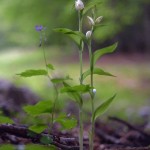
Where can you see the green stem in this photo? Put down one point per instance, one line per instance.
(44, 55)
(81, 107)
(54, 106)
(56, 91)
(81, 128)
(81, 82)
(80, 20)
(92, 94)
(81, 67)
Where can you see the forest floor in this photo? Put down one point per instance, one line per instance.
(116, 134)
(113, 134)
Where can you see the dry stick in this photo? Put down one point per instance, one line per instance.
(107, 137)
(129, 126)
(24, 132)
(112, 147)
(132, 148)
(116, 143)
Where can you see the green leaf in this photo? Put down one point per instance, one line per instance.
(30, 73)
(46, 140)
(74, 95)
(38, 128)
(98, 53)
(41, 107)
(77, 88)
(60, 80)
(50, 66)
(4, 119)
(97, 71)
(90, 6)
(66, 122)
(76, 36)
(102, 108)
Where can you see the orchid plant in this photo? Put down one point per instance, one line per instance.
(48, 107)
(81, 40)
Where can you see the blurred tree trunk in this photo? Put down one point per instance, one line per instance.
(136, 38)
(133, 38)
(146, 26)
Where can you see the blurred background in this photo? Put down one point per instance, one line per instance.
(125, 21)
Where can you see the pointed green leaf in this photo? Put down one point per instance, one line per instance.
(70, 32)
(97, 71)
(77, 88)
(46, 140)
(74, 95)
(75, 35)
(38, 128)
(30, 73)
(31, 134)
(102, 108)
(90, 6)
(98, 53)
(60, 80)
(50, 66)
(4, 119)
(66, 122)
(41, 107)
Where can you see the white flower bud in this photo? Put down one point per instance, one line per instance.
(94, 91)
(99, 19)
(79, 5)
(88, 34)
(91, 21)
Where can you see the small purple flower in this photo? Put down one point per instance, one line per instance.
(38, 28)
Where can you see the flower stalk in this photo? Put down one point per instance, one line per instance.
(79, 7)
(92, 91)
(92, 21)
(42, 43)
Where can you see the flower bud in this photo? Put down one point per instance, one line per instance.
(88, 34)
(94, 91)
(91, 21)
(99, 19)
(79, 5)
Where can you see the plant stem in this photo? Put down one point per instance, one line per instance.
(54, 106)
(56, 91)
(80, 20)
(92, 94)
(81, 128)
(81, 67)
(81, 82)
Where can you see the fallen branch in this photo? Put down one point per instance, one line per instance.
(24, 132)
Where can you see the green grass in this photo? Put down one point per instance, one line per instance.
(131, 83)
